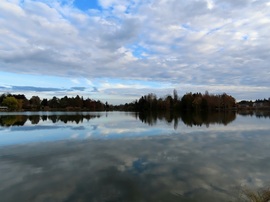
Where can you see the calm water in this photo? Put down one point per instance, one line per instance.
(118, 156)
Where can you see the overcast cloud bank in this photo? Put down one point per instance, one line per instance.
(202, 44)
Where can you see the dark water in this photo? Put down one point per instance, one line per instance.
(118, 156)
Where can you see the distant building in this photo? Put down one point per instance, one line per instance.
(241, 105)
(258, 104)
(3, 108)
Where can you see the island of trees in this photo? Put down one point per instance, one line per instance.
(188, 102)
(147, 103)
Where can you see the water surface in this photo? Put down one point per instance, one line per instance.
(124, 156)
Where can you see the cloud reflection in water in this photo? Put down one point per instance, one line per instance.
(134, 161)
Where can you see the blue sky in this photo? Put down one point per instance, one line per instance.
(85, 5)
(119, 50)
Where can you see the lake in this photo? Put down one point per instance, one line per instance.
(126, 156)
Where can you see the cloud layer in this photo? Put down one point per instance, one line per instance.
(202, 42)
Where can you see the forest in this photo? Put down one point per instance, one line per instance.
(188, 102)
(19, 102)
(147, 103)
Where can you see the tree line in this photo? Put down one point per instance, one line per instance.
(150, 102)
(188, 102)
(18, 102)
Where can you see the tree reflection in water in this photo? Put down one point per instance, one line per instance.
(188, 118)
(150, 118)
(20, 120)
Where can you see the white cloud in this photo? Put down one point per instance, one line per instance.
(191, 42)
(210, 4)
(75, 81)
(89, 82)
(106, 3)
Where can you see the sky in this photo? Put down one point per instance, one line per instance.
(120, 50)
